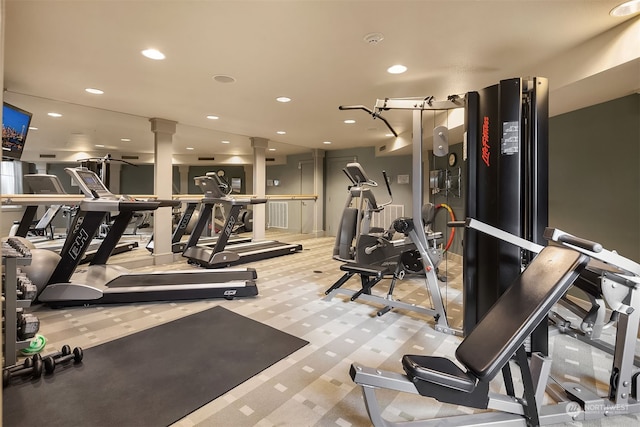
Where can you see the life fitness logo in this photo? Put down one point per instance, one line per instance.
(486, 154)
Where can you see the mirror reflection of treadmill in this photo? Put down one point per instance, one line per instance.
(101, 283)
(216, 190)
(43, 184)
(178, 245)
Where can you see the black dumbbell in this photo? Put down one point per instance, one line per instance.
(64, 356)
(27, 363)
(30, 367)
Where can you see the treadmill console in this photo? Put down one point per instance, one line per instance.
(44, 184)
(90, 184)
(212, 186)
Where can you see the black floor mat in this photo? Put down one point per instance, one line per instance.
(151, 378)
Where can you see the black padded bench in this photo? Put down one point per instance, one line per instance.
(500, 334)
(370, 275)
(486, 351)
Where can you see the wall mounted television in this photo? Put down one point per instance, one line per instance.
(15, 126)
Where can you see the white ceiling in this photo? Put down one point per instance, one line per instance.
(311, 51)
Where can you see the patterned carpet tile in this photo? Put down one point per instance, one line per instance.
(312, 386)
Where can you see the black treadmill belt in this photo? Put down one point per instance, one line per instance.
(248, 252)
(183, 278)
(242, 248)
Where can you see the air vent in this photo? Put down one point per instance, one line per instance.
(130, 157)
(382, 148)
(47, 156)
(206, 158)
(270, 159)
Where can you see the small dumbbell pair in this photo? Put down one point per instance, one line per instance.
(62, 357)
(31, 367)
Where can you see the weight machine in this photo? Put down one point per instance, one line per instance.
(501, 334)
(506, 187)
(414, 227)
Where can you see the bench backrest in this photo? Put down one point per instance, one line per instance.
(519, 310)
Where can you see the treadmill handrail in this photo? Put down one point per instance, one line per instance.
(110, 205)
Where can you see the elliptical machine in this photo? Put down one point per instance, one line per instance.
(372, 252)
(357, 241)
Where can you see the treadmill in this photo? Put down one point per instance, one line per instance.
(45, 184)
(178, 245)
(100, 283)
(217, 191)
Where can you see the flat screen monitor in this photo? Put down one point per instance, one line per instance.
(15, 126)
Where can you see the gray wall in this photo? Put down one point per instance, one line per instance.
(139, 179)
(594, 174)
(290, 182)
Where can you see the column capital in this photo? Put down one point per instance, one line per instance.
(257, 142)
(163, 126)
(318, 153)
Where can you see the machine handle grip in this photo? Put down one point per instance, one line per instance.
(580, 242)
(369, 250)
(355, 107)
(457, 224)
(137, 206)
(368, 110)
(167, 202)
(386, 181)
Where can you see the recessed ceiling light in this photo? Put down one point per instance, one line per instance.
(153, 54)
(54, 114)
(32, 128)
(388, 134)
(100, 145)
(272, 149)
(283, 99)
(226, 142)
(125, 139)
(221, 78)
(189, 148)
(327, 142)
(626, 8)
(349, 121)
(396, 69)
(213, 117)
(281, 132)
(94, 91)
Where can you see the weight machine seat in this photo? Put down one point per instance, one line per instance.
(428, 213)
(366, 270)
(439, 370)
(504, 328)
